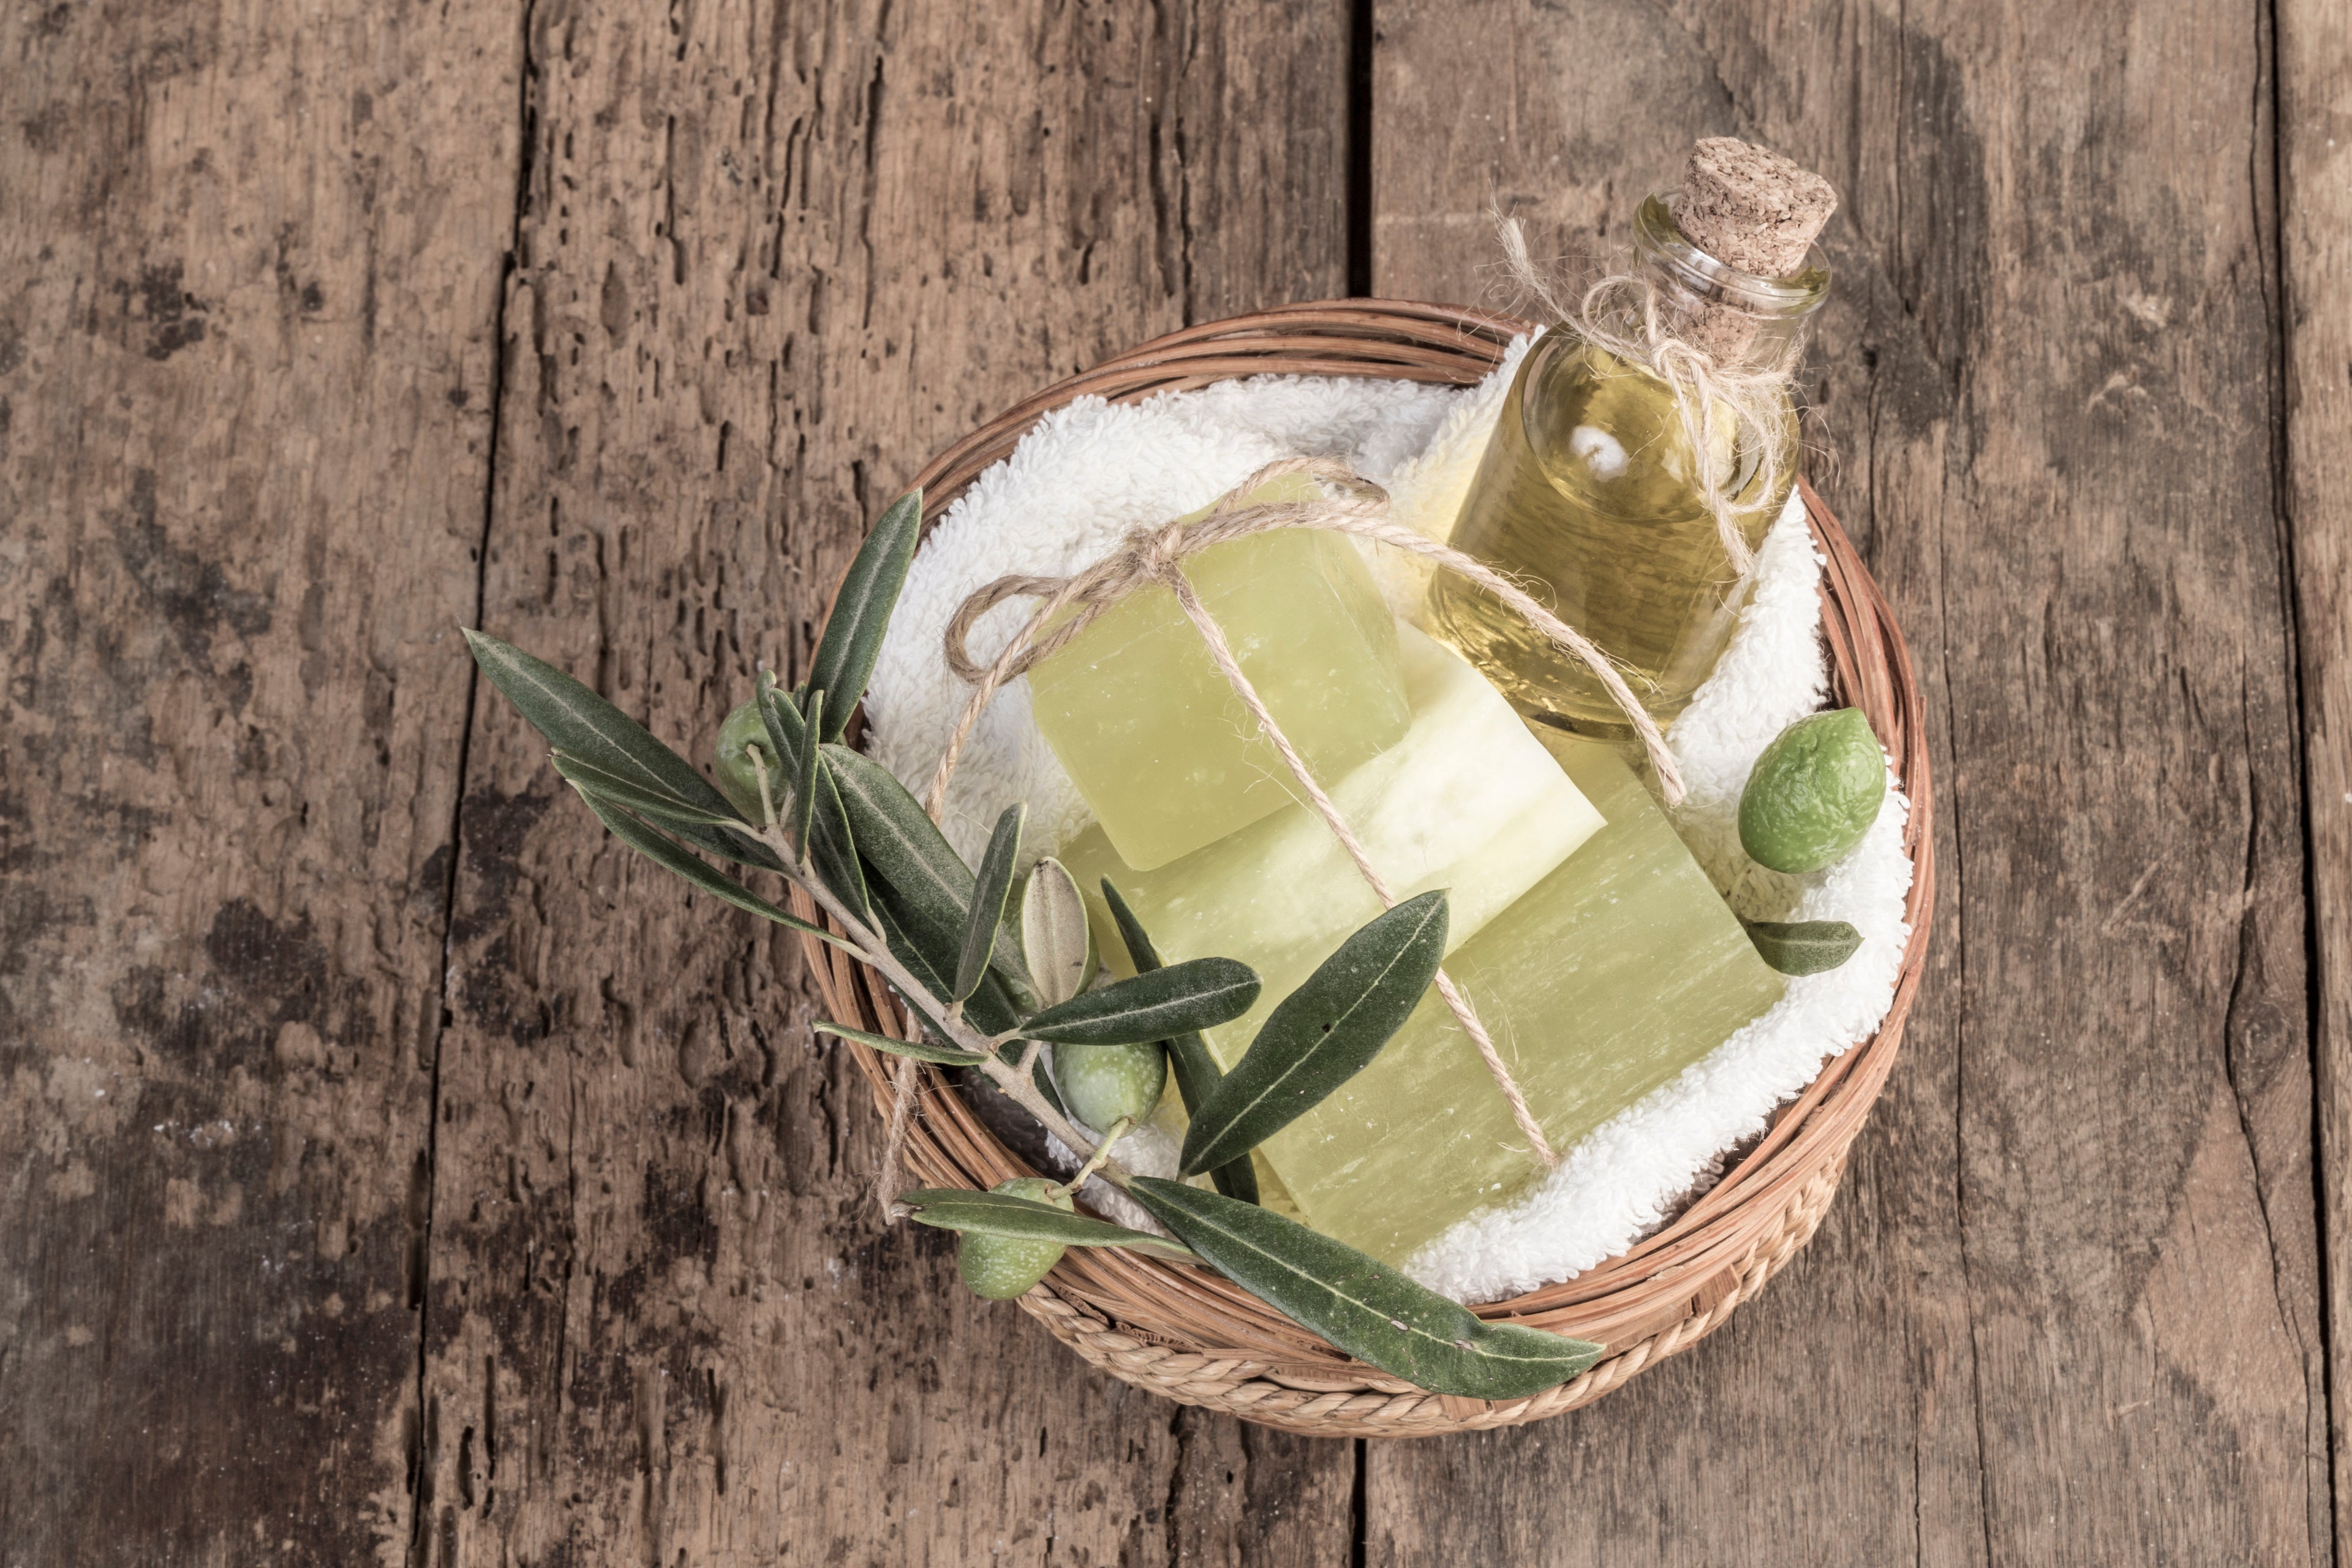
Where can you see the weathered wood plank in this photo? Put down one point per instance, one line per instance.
(246, 320)
(772, 256)
(2065, 1310)
(2314, 111)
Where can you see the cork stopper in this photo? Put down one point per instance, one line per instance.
(1752, 209)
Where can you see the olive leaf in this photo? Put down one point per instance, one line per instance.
(897, 838)
(832, 847)
(921, 1050)
(1803, 947)
(1199, 994)
(989, 889)
(1002, 1214)
(670, 858)
(929, 956)
(921, 959)
(644, 800)
(1361, 1305)
(861, 615)
(780, 715)
(578, 721)
(1196, 1071)
(1057, 939)
(1322, 1034)
(804, 783)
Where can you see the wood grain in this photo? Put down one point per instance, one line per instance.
(337, 1047)
(2314, 160)
(244, 373)
(2065, 1309)
(769, 257)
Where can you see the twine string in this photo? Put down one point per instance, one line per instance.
(894, 1144)
(1153, 557)
(1464, 1013)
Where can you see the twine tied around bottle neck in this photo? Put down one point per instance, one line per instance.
(1153, 557)
(1622, 314)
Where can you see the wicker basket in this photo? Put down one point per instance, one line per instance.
(1193, 1336)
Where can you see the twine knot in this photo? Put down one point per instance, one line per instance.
(1156, 551)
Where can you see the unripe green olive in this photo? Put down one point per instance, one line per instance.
(1102, 1083)
(737, 780)
(1002, 1266)
(1814, 793)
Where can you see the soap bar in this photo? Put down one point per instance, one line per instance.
(1467, 800)
(1619, 970)
(1153, 735)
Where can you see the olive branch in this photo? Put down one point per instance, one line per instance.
(989, 981)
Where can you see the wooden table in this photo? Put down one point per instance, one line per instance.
(391, 1171)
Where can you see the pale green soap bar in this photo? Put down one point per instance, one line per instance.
(1618, 971)
(1466, 800)
(1153, 733)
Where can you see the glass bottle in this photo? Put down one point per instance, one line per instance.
(1590, 494)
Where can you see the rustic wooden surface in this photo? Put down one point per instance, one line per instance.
(391, 1171)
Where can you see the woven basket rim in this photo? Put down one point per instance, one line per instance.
(1196, 1337)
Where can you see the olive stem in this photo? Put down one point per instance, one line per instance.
(1014, 1083)
(1101, 1156)
(759, 771)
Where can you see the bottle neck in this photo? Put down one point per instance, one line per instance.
(1741, 320)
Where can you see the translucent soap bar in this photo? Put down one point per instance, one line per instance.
(1466, 800)
(1151, 732)
(1614, 974)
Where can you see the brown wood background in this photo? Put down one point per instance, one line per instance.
(391, 1171)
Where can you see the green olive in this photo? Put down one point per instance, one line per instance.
(1814, 793)
(730, 761)
(1102, 1083)
(1002, 1266)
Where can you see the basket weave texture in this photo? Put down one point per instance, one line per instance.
(1193, 1336)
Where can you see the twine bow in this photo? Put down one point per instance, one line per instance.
(1153, 557)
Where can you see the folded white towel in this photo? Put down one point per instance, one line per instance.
(1092, 471)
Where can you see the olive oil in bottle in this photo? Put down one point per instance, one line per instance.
(1592, 491)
